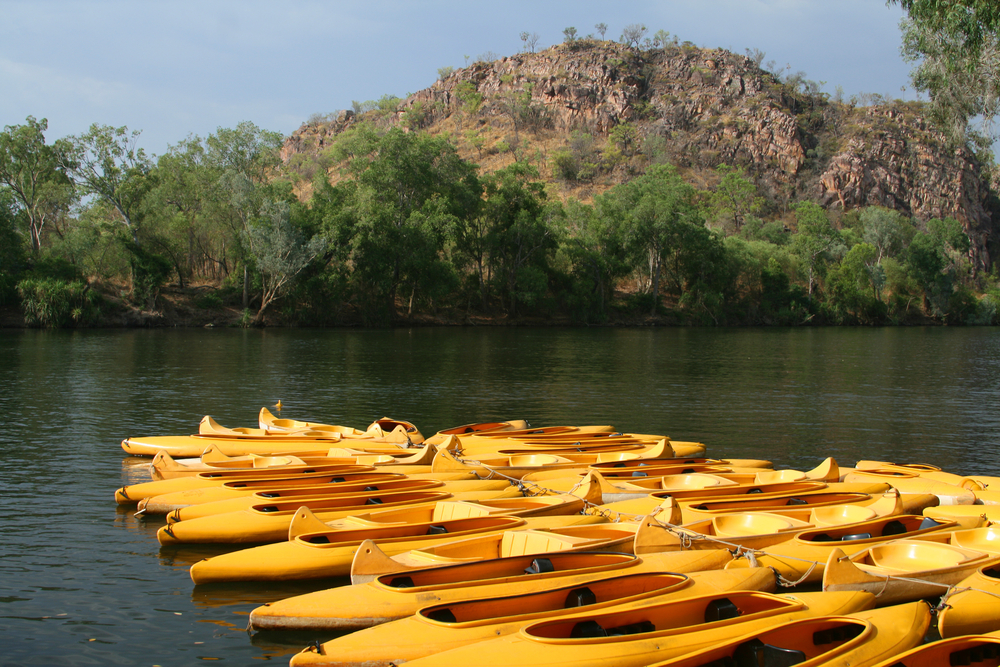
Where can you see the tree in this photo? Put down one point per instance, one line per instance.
(12, 259)
(855, 286)
(885, 230)
(519, 236)
(246, 157)
(530, 40)
(632, 34)
(280, 252)
(655, 211)
(956, 47)
(107, 162)
(934, 260)
(601, 29)
(595, 247)
(191, 220)
(817, 242)
(31, 169)
(569, 35)
(661, 38)
(409, 189)
(735, 197)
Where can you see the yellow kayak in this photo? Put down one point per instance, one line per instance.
(134, 493)
(273, 522)
(903, 570)
(370, 562)
(948, 494)
(967, 515)
(230, 497)
(752, 530)
(385, 429)
(384, 435)
(803, 558)
(980, 650)
(443, 627)
(855, 640)
(641, 635)
(699, 509)
(165, 466)
(973, 605)
(329, 553)
(826, 509)
(395, 596)
(513, 506)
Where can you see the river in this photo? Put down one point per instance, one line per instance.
(83, 582)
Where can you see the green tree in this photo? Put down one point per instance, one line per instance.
(12, 258)
(735, 197)
(247, 157)
(955, 45)
(280, 252)
(189, 220)
(519, 234)
(817, 242)
(934, 259)
(409, 190)
(31, 169)
(594, 245)
(657, 212)
(108, 163)
(886, 230)
(855, 285)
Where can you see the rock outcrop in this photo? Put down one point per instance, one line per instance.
(702, 108)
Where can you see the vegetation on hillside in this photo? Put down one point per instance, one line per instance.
(402, 225)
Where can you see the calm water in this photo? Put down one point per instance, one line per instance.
(83, 583)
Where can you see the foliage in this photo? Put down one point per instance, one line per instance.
(31, 170)
(280, 252)
(934, 260)
(662, 227)
(149, 272)
(957, 50)
(735, 198)
(108, 163)
(632, 34)
(12, 255)
(817, 242)
(408, 190)
(530, 40)
(55, 303)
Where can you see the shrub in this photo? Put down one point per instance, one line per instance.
(209, 301)
(52, 302)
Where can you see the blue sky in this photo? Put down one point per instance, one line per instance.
(174, 68)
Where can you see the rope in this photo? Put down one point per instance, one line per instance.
(687, 539)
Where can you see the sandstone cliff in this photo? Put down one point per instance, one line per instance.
(697, 109)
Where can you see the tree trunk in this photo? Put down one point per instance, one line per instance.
(246, 287)
(656, 283)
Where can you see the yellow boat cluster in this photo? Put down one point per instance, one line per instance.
(498, 543)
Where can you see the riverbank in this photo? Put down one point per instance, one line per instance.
(208, 305)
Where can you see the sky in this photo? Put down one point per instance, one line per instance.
(173, 68)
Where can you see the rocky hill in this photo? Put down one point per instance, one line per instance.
(592, 114)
